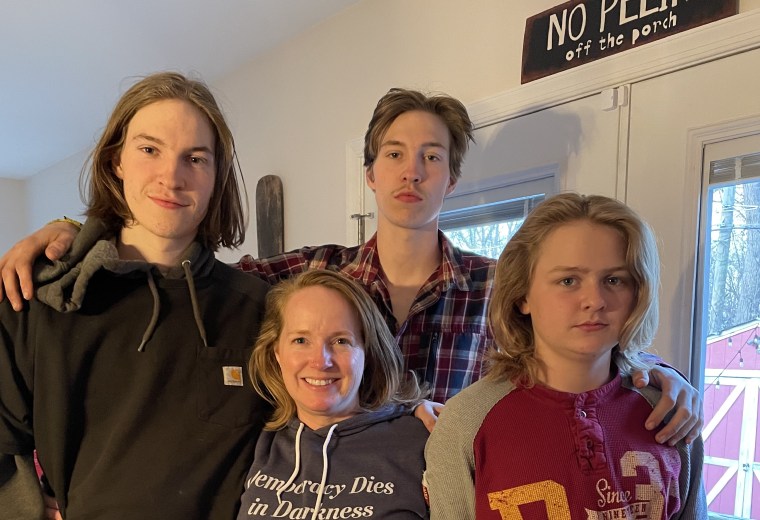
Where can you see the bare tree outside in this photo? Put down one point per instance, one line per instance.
(487, 240)
(733, 283)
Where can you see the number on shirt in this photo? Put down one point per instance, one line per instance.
(654, 493)
(553, 496)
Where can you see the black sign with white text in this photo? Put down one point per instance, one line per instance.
(581, 31)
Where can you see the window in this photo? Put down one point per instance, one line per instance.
(483, 220)
(729, 323)
(486, 229)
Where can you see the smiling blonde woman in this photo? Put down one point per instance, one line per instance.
(342, 442)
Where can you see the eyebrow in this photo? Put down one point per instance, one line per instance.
(392, 142)
(305, 332)
(573, 269)
(156, 140)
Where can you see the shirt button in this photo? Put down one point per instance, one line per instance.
(582, 414)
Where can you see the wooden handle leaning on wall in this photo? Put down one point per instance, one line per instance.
(270, 227)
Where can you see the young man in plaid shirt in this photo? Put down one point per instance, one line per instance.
(433, 295)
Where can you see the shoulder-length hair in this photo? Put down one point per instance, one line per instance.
(225, 221)
(399, 101)
(384, 380)
(512, 357)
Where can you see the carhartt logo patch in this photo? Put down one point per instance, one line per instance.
(233, 376)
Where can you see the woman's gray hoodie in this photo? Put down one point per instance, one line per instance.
(368, 466)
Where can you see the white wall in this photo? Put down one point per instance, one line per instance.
(54, 192)
(12, 212)
(294, 109)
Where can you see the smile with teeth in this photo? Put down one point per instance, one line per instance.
(319, 382)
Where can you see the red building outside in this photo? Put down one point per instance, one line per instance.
(732, 454)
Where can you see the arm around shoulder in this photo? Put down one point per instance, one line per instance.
(276, 268)
(16, 265)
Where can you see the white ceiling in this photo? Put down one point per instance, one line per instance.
(63, 64)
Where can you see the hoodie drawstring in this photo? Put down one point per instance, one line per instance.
(154, 317)
(157, 306)
(324, 472)
(297, 465)
(194, 301)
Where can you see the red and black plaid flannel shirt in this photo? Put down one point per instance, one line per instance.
(446, 333)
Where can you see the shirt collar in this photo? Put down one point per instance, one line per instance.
(452, 265)
(365, 265)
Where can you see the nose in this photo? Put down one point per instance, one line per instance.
(414, 169)
(321, 357)
(171, 173)
(594, 298)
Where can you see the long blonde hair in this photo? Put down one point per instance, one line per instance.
(512, 357)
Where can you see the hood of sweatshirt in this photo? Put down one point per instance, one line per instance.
(62, 284)
(356, 424)
(348, 427)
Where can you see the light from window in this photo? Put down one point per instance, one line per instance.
(487, 239)
(486, 229)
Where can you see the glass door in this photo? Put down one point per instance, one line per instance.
(728, 322)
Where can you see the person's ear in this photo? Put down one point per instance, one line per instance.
(116, 165)
(452, 185)
(276, 351)
(369, 176)
(523, 306)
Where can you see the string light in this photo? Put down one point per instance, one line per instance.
(754, 343)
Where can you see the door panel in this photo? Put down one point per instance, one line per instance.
(664, 185)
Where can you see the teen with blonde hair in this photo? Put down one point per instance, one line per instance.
(555, 429)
